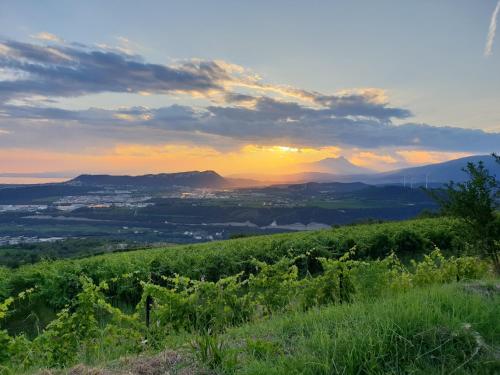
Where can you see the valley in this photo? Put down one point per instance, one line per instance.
(144, 215)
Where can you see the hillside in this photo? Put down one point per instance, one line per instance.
(217, 259)
(258, 304)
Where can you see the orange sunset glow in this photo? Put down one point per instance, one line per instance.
(252, 159)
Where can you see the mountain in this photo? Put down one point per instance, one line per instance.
(432, 173)
(325, 170)
(195, 179)
(335, 166)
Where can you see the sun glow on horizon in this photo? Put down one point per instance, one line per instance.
(249, 159)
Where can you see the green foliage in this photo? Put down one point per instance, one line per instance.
(372, 279)
(305, 270)
(408, 242)
(380, 246)
(333, 286)
(274, 285)
(4, 276)
(89, 325)
(475, 202)
(262, 349)
(4, 337)
(212, 352)
(74, 331)
(196, 305)
(434, 268)
(11, 348)
(14, 256)
(58, 281)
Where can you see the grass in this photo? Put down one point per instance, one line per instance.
(438, 330)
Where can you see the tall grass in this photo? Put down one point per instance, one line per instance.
(437, 330)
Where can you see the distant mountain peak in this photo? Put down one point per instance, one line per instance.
(335, 165)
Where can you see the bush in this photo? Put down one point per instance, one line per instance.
(408, 242)
(273, 286)
(380, 246)
(333, 286)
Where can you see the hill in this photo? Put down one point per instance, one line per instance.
(195, 179)
(259, 305)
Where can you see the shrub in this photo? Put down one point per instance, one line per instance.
(333, 286)
(408, 242)
(274, 285)
(380, 246)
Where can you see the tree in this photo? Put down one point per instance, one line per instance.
(475, 203)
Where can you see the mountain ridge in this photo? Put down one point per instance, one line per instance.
(207, 179)
(435, 173)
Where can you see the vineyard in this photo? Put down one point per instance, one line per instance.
(227, 303)
(58, 282)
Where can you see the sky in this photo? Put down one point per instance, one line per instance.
(245, 87)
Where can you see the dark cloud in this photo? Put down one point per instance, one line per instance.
(269, 122)
(61, 70)
(358, 105)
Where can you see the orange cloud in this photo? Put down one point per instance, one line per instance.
(429, 157)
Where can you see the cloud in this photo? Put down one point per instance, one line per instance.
(488, 49)
(47, 37)
(269, 122)
(263, 114)
(73, 70)
(371, 159)
(429, 157)
(63, 70)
